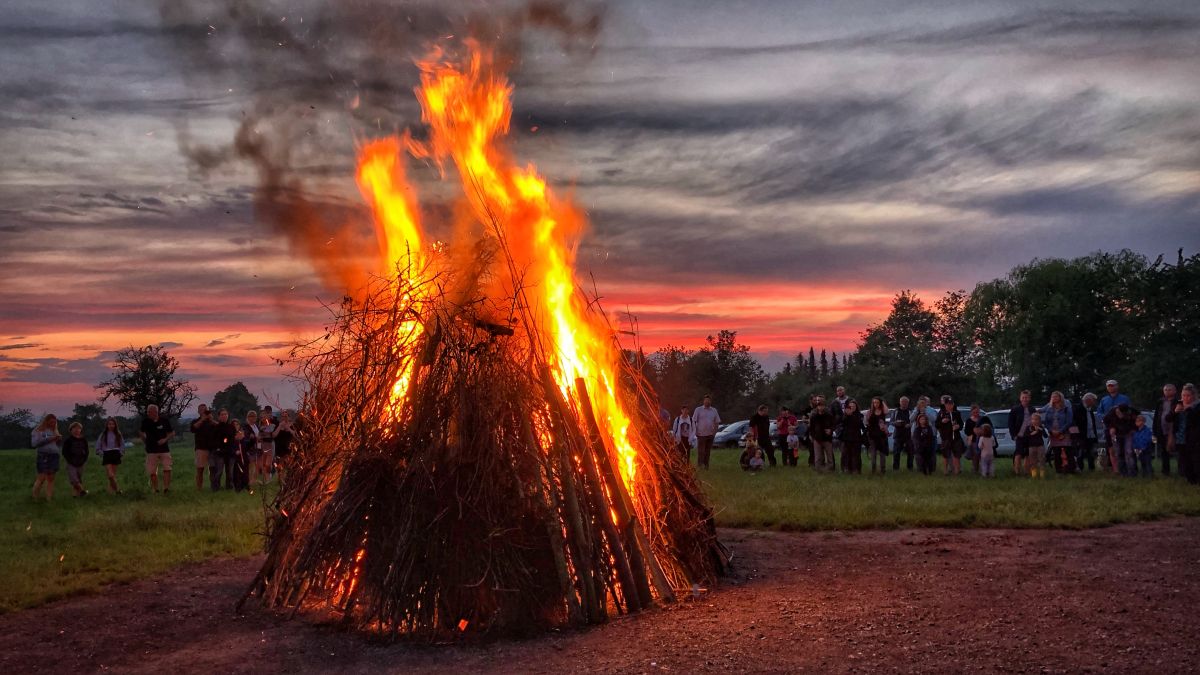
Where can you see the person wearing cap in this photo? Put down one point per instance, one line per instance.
(1113, 399)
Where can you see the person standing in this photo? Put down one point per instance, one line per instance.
(987, 451)
(1163, 432)
(1119, 424)
(251, 450)
(227, 445)
(1088, 430)
(204, 430)
(852, 428)
(1035, 446)
(783, 426)
(760, 422)
(973, 427)
(1018, 423)
(111, 448)
(1185, 423)
(949, 426)
(266, 446)
(1058, 418)
(683, 431)
(806, 437)
(75, 451)
(156, 433)
(1113, 399)
(877, 434)
(48, 442)
(1143, 447)
(923, 443)
(838, 408)
(820, 430)
(285, 433)
(707, 419)
(902, 436)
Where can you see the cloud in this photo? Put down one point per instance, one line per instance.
(21, 345)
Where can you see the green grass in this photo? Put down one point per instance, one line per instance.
(75, 545)
(787, 498)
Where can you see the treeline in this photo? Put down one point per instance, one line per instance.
(1048, 325)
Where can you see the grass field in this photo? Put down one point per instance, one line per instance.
(787, 498)
(70, 546)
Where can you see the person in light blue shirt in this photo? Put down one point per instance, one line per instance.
(1113, 399)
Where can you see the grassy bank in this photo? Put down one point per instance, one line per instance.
(71, 545)
(788, 498)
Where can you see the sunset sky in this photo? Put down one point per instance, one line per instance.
(779, 168)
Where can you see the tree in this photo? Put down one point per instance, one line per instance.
(237, 399)
(147, 376)
(16, 427)
(812, 366)
(92, 416)
(729, 372)
(834, 368)
(824, 366)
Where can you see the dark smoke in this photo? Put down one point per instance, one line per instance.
(315, 78)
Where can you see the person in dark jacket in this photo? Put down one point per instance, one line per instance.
(923, 443)
(760, 422)
(902, 434)
(1163, 433)
(877, 434)
(226, 447)
(972, 428)
(1018, 422)
(852, 428)
(1089, 431)
(204, 429)
(1185, 421)
(75, 451)
(820, 430)
(1120, 425)
(949, 428)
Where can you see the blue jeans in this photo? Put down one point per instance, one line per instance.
(1145, 458)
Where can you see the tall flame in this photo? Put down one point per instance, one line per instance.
(468, 107)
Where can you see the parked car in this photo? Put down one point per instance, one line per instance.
(731, 434)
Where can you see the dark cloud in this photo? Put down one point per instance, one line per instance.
(57, 371)
(22, 345)
(272, 345)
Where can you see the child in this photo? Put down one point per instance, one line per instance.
(111, 448)
(75, 451)
(793, 441)
(48, 442)
(1143, 450)
(756, 462)
(750, 451)
(986, 447)
(1035, 441)
(923, 443)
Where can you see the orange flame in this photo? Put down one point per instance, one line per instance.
(467, 107)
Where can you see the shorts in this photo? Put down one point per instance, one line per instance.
(112, 457)
(47, 462)
(75, 474)
(157, 459)
(201, 458)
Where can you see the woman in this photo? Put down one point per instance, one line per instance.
(250, 454)
(852, 436)
(923, 441)
(949, 423)
(266, 446)
(1185, 418)
(111, 448)
(285, 434)
(1057, 416)
(48, 442)
(973, 428)
(877, 434)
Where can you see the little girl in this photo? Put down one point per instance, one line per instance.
(793, 441)
(756, 462)
(986, 447)
(1035, 440)
(75, 451)
(111, 448)
(923, 443)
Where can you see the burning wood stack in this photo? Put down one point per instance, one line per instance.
(478, 455)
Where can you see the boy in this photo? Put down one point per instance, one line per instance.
(1143, 448)
(756, 462)
(75, 451)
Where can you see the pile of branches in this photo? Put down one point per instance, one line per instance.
(485, 500)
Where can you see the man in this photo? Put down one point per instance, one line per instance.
(1113, 399)
(224, 454)
(707, 419)
(156, 432)
(820, 430)
(783, 424)
(923, 408)
(902, 434)
(838, 409)
(1120, 425)
(1163, 430)
(1018, 421)
(204, 430)
(684, 432)
(760, 422)
(1185, 421)
(1087, 430)
(807, 439)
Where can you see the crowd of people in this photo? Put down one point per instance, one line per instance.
(236, 455)
(1060, 436)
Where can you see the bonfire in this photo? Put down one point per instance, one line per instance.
(479, 455)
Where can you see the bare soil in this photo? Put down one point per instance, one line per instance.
(1119, 599)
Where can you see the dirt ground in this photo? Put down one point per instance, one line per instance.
(1120, 599)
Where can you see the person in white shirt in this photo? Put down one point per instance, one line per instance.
(683, 430)
(706, 420)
